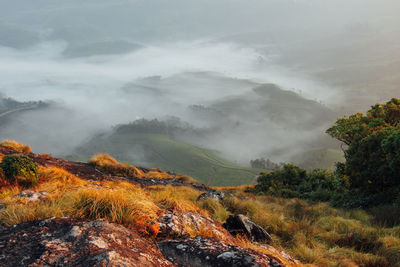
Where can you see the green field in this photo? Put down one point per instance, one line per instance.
(159, 151)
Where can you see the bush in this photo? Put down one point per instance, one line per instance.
(292, 181)
(19, 169)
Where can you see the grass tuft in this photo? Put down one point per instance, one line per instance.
(16, 146)
(109, 165)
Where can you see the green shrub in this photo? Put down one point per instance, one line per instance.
(292, 181)
(19, 169)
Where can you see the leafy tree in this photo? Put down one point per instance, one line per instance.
(261, 163)
(372, 152)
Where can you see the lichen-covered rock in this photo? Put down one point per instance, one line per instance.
(31, 195)
(76, 242)
(181, 225)
(240, 224)
(211, 252)
(217, 195)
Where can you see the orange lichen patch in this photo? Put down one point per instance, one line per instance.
(147, 227)
(2, 156)
(109, 165)
(16, 146)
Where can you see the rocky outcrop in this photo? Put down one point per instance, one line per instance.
(242, 225)
(31, 195)
(180, 225)
(76, 242)
(217, 195)
(210, 252)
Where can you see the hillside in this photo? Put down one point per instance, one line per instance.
(132, 220)
(161, 219)
(162, 151)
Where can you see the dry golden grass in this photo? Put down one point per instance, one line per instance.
(124, 203)
(109, 165)
(244, 242)
(181, 199)
(194, 231)
(16, 146)
(319, 234)
(315, 234)
(187, 179)
(217, 210)
(56, 180)
(234, 188)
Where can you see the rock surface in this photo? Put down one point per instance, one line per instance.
(217, 195)
(210, 252)
(242, 225)
(76, 242)
(177, 225)
(32, 195)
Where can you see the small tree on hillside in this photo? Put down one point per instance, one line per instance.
(372, 153)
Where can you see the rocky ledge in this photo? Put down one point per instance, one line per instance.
(76, 242)
(80, 242)
(211, 252)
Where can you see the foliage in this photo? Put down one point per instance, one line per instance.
(372, 154)
(262, 163)
(19, 169)
(292, 181)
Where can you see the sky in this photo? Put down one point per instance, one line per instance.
(259, 41)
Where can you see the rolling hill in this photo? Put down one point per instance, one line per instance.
(164, 152)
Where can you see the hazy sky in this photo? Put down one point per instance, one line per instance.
(235, 39)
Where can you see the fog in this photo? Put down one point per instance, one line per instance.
(104, 63)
